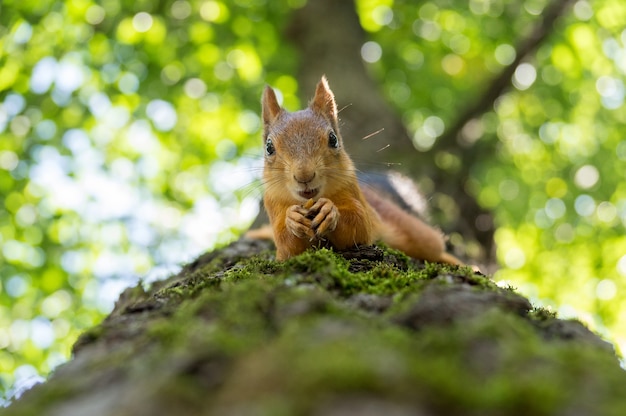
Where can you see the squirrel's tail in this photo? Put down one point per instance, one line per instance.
(264, 232)
(446, 257)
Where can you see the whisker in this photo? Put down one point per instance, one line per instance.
(252, 168)
(370, 176)
(373, 164)
(373, 134)
(344, 107)
(252, 154)
(254, 188)
(383, 148)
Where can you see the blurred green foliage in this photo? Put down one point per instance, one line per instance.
(119, 124)
(129, 134)
(556, 181)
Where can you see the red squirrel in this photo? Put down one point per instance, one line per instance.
(313, 197)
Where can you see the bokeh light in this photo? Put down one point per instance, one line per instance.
(129, 144)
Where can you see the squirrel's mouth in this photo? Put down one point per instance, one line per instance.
(308, 193)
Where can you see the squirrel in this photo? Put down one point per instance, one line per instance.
(313, 196)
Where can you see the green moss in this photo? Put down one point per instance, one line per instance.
(356, 357)
(331, 271)
(541, 314)
(254, 267)
(271, 338)
(89, 336)
(239, 313)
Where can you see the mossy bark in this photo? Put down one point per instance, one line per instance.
(364, 332)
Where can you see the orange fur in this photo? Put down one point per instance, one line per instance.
(407, 233)
(305, 160)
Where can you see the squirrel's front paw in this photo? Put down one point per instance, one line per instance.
(297, 222)
(326, 217)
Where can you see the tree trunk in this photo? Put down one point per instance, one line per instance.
(366, 332)
(334, 49)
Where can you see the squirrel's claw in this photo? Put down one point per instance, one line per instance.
(297, 222)
(326, 218)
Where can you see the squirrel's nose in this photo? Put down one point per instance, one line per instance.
(304, 178)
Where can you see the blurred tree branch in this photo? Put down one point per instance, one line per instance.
(502, 82)
(475, 221)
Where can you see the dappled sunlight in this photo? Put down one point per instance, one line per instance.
(111, 125)
(130, 144)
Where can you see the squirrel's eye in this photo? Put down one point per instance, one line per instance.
(269, 147)
(333, 141)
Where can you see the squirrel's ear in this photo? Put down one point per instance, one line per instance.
(324, 100)
(269, 106)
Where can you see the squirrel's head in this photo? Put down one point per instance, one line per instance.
(304, 150)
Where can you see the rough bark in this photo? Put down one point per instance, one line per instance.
(365, 332)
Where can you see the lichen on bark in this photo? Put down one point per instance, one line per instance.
(368, 331)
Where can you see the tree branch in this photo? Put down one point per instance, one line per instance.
(503, 81)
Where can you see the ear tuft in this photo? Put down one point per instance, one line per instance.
(270, 108)
(324, 100)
